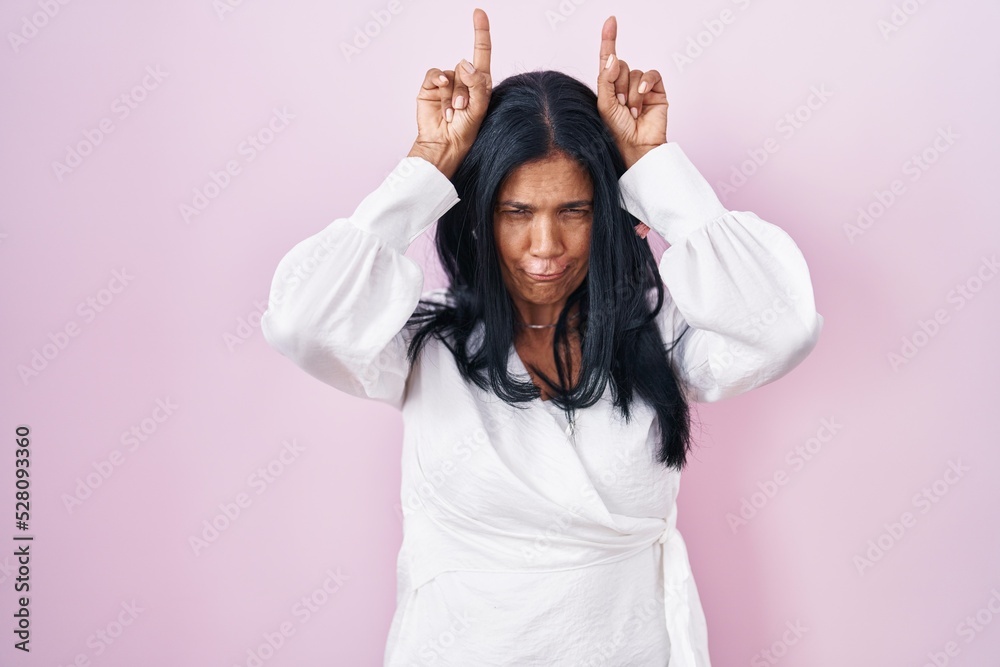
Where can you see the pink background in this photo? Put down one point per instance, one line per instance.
(168, 333)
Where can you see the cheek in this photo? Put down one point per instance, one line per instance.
(581, 244)
(506, 249)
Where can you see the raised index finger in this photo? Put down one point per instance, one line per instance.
(483, 47)
(609, 33)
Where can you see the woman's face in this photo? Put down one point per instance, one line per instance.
(542, 224)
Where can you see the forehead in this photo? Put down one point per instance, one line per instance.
(555, 178)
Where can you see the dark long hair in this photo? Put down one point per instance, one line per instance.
(530, 116)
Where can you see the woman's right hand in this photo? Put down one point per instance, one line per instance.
(451, 104)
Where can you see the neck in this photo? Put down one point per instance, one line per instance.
(539, 327)
(541, 314)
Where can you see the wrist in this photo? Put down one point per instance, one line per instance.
(447, 164)
(634, 153)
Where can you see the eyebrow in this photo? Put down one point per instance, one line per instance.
(568, 204)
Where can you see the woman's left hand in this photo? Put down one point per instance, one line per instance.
(632, 103)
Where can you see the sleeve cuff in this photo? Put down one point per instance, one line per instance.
(664, 190)
(411, 198)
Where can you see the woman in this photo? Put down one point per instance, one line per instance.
(544, 392)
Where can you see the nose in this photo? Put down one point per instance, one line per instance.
(546, 237)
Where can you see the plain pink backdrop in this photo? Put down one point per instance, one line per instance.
(194, 284)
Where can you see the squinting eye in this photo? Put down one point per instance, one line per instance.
(518, 212)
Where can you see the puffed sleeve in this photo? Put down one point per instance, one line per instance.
(339, 299)
(741, 283)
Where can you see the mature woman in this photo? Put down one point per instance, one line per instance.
(545, 391)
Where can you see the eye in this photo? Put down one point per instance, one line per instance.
(516, 213)
(577, 211)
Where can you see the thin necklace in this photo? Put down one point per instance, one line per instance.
(546, 326)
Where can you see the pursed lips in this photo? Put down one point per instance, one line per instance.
(547, 274)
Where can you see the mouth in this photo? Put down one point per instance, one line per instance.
(546, 277)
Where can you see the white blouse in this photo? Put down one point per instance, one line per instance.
(528, 541)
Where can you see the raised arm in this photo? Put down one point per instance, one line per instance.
(741, 283)
(340, 299)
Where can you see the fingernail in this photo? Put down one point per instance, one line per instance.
(459, 102)
(635, 112)
(448, 113)
(468, 66)
(611, 59)
(621, 97)
(642, 87)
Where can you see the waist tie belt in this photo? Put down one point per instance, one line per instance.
(685, 617)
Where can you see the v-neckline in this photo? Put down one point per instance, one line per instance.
(547, 407)
(523, 370)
